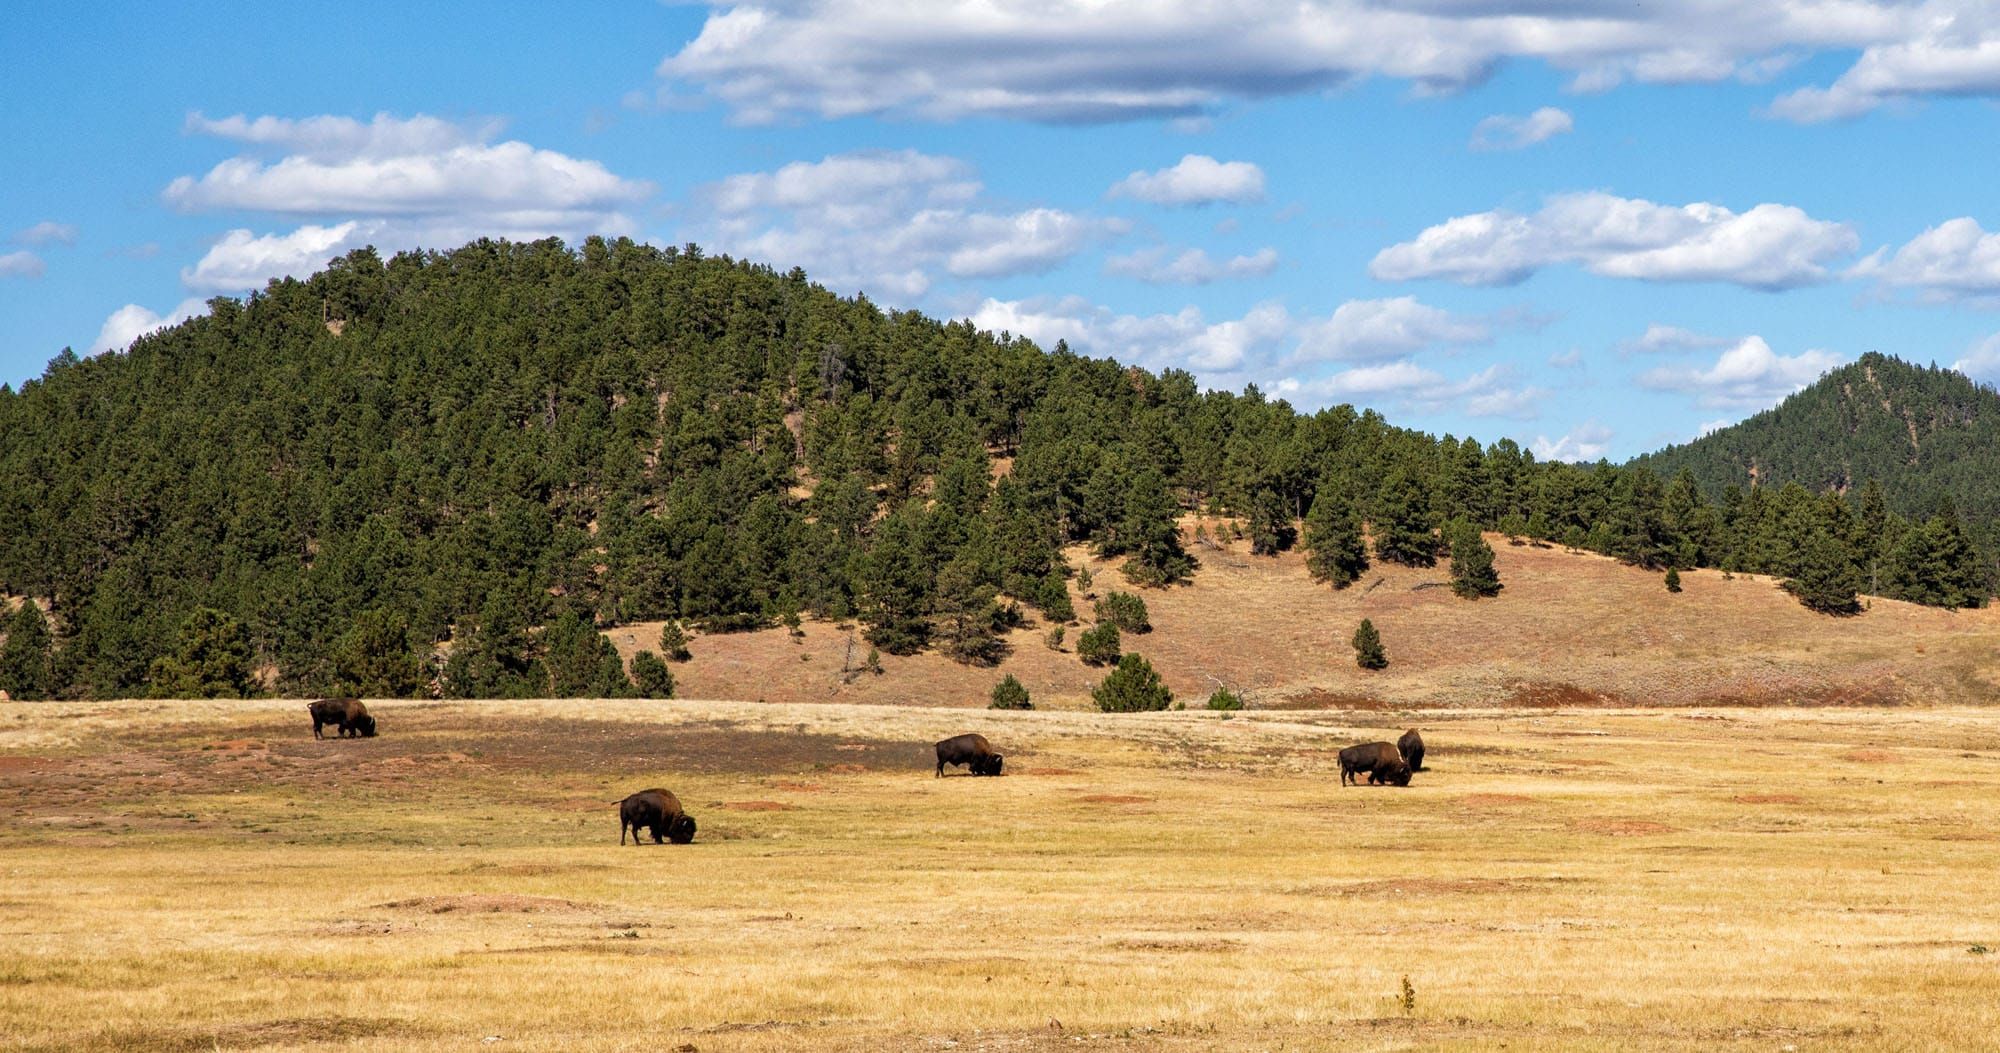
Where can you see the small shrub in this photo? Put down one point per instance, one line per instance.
(1133, 687)
(652, 676)
(1124, 610)
(1368, 653)
(1083, 582)
(1054, 639)
(1409, 999)
(873, 663)
(1009, 694)
(1099, 646)
(1673, 580)
(1225, 699)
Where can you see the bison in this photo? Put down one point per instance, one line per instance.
(1411, 746)
(348, 714)
(1380, 761)
(973, 751)
(656, 810)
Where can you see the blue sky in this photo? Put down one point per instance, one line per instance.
(1592, 233)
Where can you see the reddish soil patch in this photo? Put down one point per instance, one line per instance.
(1320, 698)
(1872, 757)
(1623, 827)
(847, 769)
(1556, 696)
(796, 786)
(758, 806)
(1768, 798)
(1494, 800)
(1114, 798)
(489, 904)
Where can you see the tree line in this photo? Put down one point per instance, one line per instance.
(493, 451)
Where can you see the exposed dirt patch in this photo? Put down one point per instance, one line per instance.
(474, 903)
(1320, 698)
(1768, 798)
(1869, 756)
(847, 769)
(759, 806)
(796, 786)
(1623, 827)
(1543, 695)
(1114, 798)
(1494, 800)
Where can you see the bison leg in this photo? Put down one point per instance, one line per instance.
(316, 732)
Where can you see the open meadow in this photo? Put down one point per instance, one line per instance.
(205, 875)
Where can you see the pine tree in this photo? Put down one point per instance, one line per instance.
(1224, 699)
(966, 614)
(1827, 580)
(1052, 596)
(1403, 532)
(1271, 530)
(1009, 694)
(897, 583)
(1151, 534)
(1133, 687)
(212, 659)
(1335, 551)
(674, 642)
(374, 658)
(1472, 573)
(1100, 645)
(651, 675)
(26, 672)
(580, 662)
(1673, 580)
(1126, 611)
(1368, 653)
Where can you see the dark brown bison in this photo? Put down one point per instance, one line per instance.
(1411, 746)
(348, 714)
(656, 810)
(973, 751)
(1380, 761)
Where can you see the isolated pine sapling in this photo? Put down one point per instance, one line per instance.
(1099, 645)
(1368, 653)
(652, 677)
(1225, 700)
(1673, 580)
(674, 642)
(1010, 694)
(1472, 573)
(1133, 687)
(1054, 640)
(1084, 582)
(1124, 610)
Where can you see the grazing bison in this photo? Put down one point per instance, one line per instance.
(348, 714)
(1411, 746)
(973, 751)
(658, 811)
(1380, 761)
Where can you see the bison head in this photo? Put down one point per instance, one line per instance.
(366, 725)
(989, 765)
(681, 830)
(1397, 776)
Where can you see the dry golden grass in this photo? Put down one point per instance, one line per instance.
(197, 876)
(1568, 629)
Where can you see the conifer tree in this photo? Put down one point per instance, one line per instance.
(1472, 573)
(375, 660)
(1673, 580)
(212, 659)
(1827, 580)
(1010, 694)
(26, 671)
(1403, 531)
(651, 676)
(1335, 550)
(1151, 534)
(1124, 610)
(966, 615)
(1271, 530)
(1368, 653)
(1098, 645)
(580, 662)
(1133, 687)
(897, 583)
(674, 641)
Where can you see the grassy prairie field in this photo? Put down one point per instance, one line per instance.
(204, 875)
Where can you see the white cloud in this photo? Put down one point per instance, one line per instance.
(1196, 180)
(1710, 427)
(1162, 266)
(1982, 361)
(1376, 329)
(1413, 388)
(1748, 374)
(130, 322)
(1588, 441)
(23, 264)
(1944, 47)
(394, 182)
(1769, 247)
(886, 223)
(1506, 132)
(1098, 60)
(1669, 339)
(1955, 259)
(47, 232)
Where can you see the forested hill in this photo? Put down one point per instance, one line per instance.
(1929, 436)
(441, 472)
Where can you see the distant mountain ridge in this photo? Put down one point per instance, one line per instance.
(1928, 435)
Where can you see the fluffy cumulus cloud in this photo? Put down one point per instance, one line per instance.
(394, 182)
(1749, 374)
(22, 264)
(1588, 441)
(1769, 247)
(47, 232)
(1669, 339)
(886, 223)
(1981, 361)
(1196, 180)
(1954, 260)
(130, 322)
(1159, 265)
(1099, 60)
(1505, 132)
(1374, 341)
